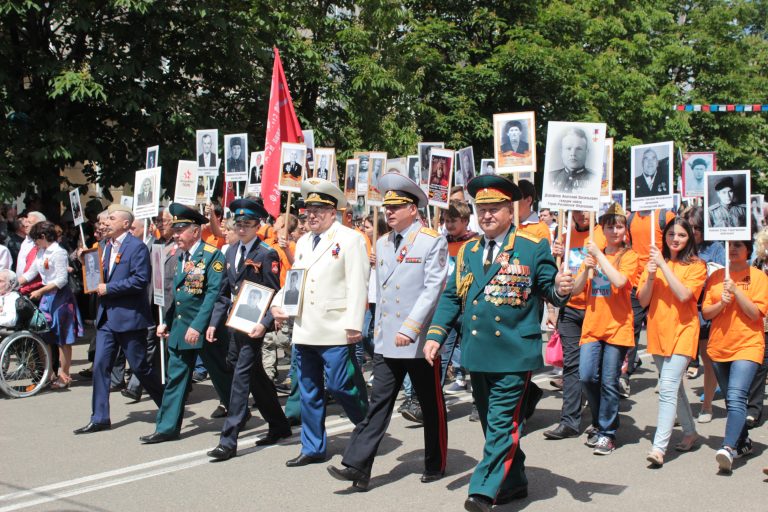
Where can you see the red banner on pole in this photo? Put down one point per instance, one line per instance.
(282, 126)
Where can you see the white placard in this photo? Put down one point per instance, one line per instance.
(514, 142)
(207, 152)
(726, 196)
(465, 166)
(76, 206)
(293, 158)
(694, 167)
(236, 157)
(651, 176)
(424, 150)
(158, 274)
(256, 172)
(186, 183)
(146, 193)
(127, 201)
(377, 164)
(152, 157)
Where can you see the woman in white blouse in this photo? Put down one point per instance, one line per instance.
(57, 301)
(8, 298)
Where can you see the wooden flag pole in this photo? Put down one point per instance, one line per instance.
(567, 241)
(591, 273)
(653, 228)
(82, 236)
(516, 214)
(560, 224)
(146, 229)
(162, 346)
(727, 261)
(437, 219)
(375, 226)
(285, 220)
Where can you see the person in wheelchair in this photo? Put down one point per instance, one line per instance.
(8, 297)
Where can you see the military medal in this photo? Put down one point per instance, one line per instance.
(402, 254)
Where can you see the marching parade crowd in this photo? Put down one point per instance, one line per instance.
(415, 305)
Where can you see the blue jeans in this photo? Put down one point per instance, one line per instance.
(672, 399)
(365, 345)
(734, 378)
(599, 371)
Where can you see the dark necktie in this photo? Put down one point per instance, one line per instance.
(315, 241)
(489, 257)
(241, 263)
(398, 239)
(107, 257)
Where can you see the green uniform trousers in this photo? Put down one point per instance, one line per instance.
(181, 364)
(498, 397)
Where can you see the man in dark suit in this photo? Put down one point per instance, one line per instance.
(513, 130)
(293, 168)
(249, 259)
(651, 182)
(123, 316)
(206, 159)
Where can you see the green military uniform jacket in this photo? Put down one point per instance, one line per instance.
(500, 310)
(195, 289)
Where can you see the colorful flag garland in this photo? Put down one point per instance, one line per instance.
(728, 107)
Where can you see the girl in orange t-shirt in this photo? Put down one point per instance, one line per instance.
(670, 287)
(607, 331)
(736, 306)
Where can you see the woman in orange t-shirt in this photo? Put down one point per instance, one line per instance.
(670, 287)
(736, 306)
(607, 331)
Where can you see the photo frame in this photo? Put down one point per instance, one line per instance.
(152, 158)
(413, 168)
(465, 166)
(606, 183)
(293, 293)
(695, 164)
(350, 179)
(255, 173)
(364, 158)
(756, 210)
(652, 176)
(398, 165)
(293, 159)
(325, 164)
(440, 176)
(93, 270)
(425, 149)
(309, 141)
(377, 166)
(236, 157)
(573, 165)
(249, 306)
(487, 166)
(620, 196)
(76, 207)
(186, 183)
(207, 151)
(726, 207)
(158, 274)
(514, 142)
(146, 193)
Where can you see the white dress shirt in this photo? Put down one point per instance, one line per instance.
(50, 265)
(499, 244)
(116, 243)
(6, 261)
(240, 252)
(26, 246)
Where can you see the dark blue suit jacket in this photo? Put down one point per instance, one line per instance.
(125, 307)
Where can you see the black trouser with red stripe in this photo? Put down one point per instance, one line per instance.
(388, 378)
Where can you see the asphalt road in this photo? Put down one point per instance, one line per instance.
(43, 466)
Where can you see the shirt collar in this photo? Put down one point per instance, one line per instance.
(499, 239)
(193, 249)
(249, 245)
(117, 242)
(533, 218)
(415, 225)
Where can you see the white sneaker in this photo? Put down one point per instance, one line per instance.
(704, 417)
(458, 386)
(724, 459)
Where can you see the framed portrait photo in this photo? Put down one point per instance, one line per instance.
(293, 160)
(152, 157)
(756, 205)
(255, 172)
(398, 165)
(440, 170)
(514, 142)
(77, 208)
(377, 164)
(425, 148)
(146, 193)
(93, 274)
(236, 157)
(294, 291)
(207, 151)
(250, 306)
(606, 183)
(726, 200)
(694, 166)
(573, 166)
(364, 164)
(325, 163)
(619, 196)
(487, 166)
(413, 168)
(465, 166)
(158, 274)
(651, 177)
(350, 179)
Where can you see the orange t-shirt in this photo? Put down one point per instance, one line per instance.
(576, 257)
(210, 238)
(609, 309)
(733, 336)
(537, 229)
(673, 326)
(640, 232)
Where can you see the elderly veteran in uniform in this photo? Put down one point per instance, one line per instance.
(249, 259)
(727, 214)
(331, 316)
(196, 284)
(410, 275)
(495, 288)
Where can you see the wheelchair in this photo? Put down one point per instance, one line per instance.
(25, 359)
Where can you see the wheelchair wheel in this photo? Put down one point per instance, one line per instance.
(25, 361)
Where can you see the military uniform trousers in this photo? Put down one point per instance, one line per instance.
(501, 409)
(344, 381)
(389, 374)
(250, 377)
(181, 364)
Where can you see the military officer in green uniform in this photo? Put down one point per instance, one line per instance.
(199, 273)
(495, 288)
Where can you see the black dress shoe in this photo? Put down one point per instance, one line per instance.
(92, 427)
(116, 387)
(87, 373)
(517, 493)
(431, 476)
(303, 460)
(133, 395)
(478, 503)
(294, 422)
(561, 432)
(219, 412)
(222, 453)
(273, 438)
(158, 437)
(359, 479)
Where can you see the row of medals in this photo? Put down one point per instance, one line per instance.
(511, 285)
(195, 278)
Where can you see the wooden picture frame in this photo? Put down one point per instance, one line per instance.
(91, 264)
(241, 315)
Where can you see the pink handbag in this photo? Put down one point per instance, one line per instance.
(553, 355)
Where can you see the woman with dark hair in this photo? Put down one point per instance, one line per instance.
(736, 304)
(712, 253)
(56, 299)
(670, 287)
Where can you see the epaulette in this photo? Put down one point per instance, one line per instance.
(429, 231)
(528, 236)
(209, 248)
(266, 246)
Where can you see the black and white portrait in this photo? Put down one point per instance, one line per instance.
(146, 193)
(92, 270)
(235, 153)
(487, 166)
(694, 167)
(207, 151)
(651, 177)
(152, 157)
(726, 200)
(250, 306)
(378, 160)
(363, 168)
(466, 166)
(257, 168)
(350, 179)
(292, 162)
(514, 142)
(413, 168)
(77, 209)
(294, 286)
(425, 149)
(756, 202)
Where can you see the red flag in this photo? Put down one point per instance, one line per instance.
(282, 126)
